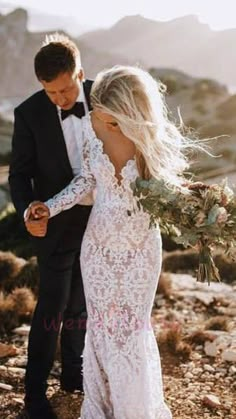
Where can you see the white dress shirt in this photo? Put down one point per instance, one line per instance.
(72, 131)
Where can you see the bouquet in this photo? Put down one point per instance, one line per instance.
(198, 215)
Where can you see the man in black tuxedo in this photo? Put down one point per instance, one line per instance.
(45, 157)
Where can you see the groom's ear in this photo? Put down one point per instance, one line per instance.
(81, 75)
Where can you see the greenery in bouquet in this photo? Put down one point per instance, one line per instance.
(197, 215)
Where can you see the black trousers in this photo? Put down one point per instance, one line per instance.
(61, 302)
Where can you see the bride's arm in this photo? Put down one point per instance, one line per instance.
(77, 189)
(71, 195)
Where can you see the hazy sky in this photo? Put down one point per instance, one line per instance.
(219, 14)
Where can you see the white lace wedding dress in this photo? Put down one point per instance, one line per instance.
(120, 262)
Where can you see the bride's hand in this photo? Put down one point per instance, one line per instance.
(37, 210)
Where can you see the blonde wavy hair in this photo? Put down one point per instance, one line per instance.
(136, 101)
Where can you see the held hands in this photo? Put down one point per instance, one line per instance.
(36, 219)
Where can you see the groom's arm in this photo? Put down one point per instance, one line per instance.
(22, 164)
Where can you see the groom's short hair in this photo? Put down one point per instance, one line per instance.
(58, 55)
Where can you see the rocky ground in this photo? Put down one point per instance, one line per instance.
(195, 325)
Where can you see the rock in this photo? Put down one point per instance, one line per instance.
(222, 371)
(185, 282)
(186, 380)
(197, 371)
(15, 371)
(20, 361)
(190, 403)
(4, 386)
(229, 355)
(189, 375)
(7, 350)
(192, 396)
(204, 297)
(22, 330)
(196, 355)
(232, 370)
(209, 368)
(211, 400)
(210, 349)
(17, 400)
(207, 388)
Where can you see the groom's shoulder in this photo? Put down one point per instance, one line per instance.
(35, 101)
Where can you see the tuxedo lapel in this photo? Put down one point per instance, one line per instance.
(87, 89)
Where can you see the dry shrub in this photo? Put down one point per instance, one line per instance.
(17, 273)
(180, 261)
(164, 285)
(218, 323)
(29, 276)
(227, 267)
(23, 300)
(184, 350)
(199, 337)
(9, 318)
(10, 266)
(15, 308)
(168, 244)
(171, 337)
(173, 341)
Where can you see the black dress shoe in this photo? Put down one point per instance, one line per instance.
(71, 383)
(40, 409)
(72, 387)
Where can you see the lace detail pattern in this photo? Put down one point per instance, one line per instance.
(80, 186)
(120, 263)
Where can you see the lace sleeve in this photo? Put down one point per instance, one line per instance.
(77, 189)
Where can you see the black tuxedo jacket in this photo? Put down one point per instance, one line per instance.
(40, 168)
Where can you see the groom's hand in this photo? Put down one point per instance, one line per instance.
(36, 219)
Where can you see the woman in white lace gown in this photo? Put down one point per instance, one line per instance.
(127, 135)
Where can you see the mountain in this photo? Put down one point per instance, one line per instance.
(183, 43)
(17, 49)
(38, 21)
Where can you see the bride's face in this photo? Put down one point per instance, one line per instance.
(63, 91)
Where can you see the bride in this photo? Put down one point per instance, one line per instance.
(126, 135)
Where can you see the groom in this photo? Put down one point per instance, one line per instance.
(45, 157)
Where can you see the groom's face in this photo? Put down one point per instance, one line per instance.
(63, 91)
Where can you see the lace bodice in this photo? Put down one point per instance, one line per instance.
(114, 200)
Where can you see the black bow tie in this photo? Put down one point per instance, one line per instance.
(77, 110)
